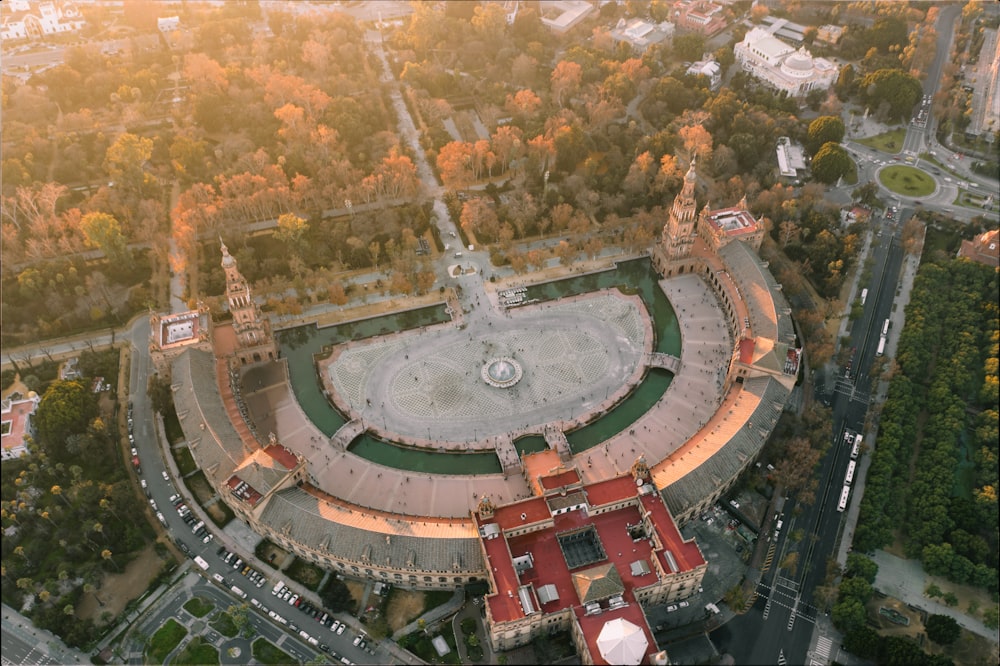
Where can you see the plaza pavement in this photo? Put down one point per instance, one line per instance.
(396, 501)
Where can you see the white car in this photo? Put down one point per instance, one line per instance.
(166, 477)
(735, 504)
(671, 608)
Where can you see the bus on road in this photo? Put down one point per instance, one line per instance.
(885, 328)
(849, 477)
(864, 296)
(856, 449)
(844, 494)
(881, 346)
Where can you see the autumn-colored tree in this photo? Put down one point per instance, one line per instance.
(480, 219)
(524, 103)
(104, 231)
(697, 141)
(566, 79)
(290, 230)
(337, 294)
(454, 163)
(125, 162)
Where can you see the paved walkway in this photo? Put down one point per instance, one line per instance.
(427, 385)
(434, 615)
(905, 580)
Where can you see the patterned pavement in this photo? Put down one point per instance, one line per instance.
(428, 383)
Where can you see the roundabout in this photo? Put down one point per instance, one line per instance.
(907, 181)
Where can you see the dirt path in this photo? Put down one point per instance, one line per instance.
(116, 590)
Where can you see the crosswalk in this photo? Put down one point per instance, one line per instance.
(781, 658)
(821, 655)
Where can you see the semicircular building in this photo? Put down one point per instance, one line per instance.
(307, 493)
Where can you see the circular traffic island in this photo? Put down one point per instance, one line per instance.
(906, 180)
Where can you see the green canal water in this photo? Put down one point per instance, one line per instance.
(301, 344)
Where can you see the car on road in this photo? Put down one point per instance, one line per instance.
(166, 477)
(684, 604)
(341, 628)
(734, 504)
(671, 608)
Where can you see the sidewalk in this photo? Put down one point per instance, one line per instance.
(905, 580)
(453, 605)
(16, 625)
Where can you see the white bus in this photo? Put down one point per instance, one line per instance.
(849, 477)
(201, 563)
(864, 296)
(844, 494)
(856, 449)
(881, 346)
(885, 328)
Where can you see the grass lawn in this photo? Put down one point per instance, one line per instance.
(164, 640)
(224, 624)
(420, 644)
(890, 142)
(198, 606)
(197, 652)
(308, 574)
(906, 180)
(267, 653)
(185, 461)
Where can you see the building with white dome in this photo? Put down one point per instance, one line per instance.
(781, 66)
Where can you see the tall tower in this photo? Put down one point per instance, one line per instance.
(678, 233)
(254, 342)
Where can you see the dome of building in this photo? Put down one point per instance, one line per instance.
(798, 64)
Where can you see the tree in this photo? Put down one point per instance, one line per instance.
(103, 231)
(290, 230)
(942, 629)
(66, 409)
(337, 597)
(566, 78)
(849, 614)
(830, 163)
(895, 88)
(689, 46)
(860, 566)
(823, 130)
(125, 161)
(158, 390)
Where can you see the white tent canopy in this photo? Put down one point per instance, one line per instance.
(621, 642)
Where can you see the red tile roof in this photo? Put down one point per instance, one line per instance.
(549, 563)
(591, 626)
(747, 346)
(557, 481)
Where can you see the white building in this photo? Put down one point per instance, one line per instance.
(640, 34)
(708, 68)
(782, 66)
(791, 159)
(168, 23)
(23, 19)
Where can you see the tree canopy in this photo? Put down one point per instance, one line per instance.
(830, 163)
(823, 130)
(67, 408)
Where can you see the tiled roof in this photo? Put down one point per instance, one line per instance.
(597, 583)
(219, 451)
(720, 465)
(312, 522)
(768, 310)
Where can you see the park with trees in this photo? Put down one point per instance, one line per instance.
(933, 480)
(70, 510)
